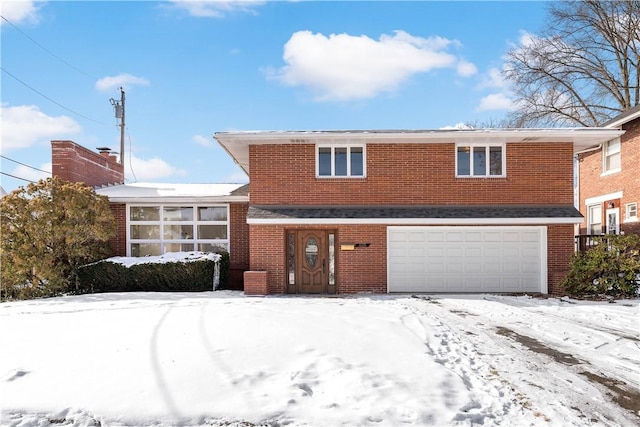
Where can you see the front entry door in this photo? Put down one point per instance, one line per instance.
(613, 221)
(312, 261)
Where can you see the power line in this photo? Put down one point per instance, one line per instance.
(16, 177)
(24, 164)
(47, 50)
(55, 102)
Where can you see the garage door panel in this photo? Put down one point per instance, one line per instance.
(467, 259)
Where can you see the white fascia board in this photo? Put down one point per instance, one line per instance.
(412, 221)
(171, 200)
(603, 198)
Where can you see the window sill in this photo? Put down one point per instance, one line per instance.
(630, 220)
(340, 178)
(611, 172)
(480, 176)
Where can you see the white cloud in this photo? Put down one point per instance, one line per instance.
(345, 67)
(493, 79)
(125, 80)
(146, 169)
(459, 126)
(25, 125)
(495, 101)
(20, 11)
(204, 141)
(216, 8)
(466, 69)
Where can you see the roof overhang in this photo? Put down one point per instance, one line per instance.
(174, 193)
(237, 143)
(414, 215)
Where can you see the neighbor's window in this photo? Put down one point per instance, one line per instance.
(611, 156)
(340, 161)
(481, 160)
(594, 219)
(631, 212)
(155, 230)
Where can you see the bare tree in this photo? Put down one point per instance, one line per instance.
(582, 69)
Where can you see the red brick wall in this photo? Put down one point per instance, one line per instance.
(365, 269)
(408, 174)
(239, 244)
(593, 184)
(119, 242)
(74, 163)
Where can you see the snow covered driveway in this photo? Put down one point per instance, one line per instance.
(220, 358)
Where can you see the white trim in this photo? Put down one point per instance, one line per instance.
(603, 198)
(177, 200)
(333, 147)
(627, 207)
(414, 221)
(544, 268)
(486, 146)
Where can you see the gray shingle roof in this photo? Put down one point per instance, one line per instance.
(426, 212)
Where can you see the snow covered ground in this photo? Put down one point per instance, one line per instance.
(220, 358)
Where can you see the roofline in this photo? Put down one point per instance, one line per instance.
(415, 221)
(180, 199)
(236, 143)
(625, 117)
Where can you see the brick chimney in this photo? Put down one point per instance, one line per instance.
(75, 163)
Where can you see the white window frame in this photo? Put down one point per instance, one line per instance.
(333, 161)
(195, 241)
(590, 218)
(631, 212)
(606, 155)
(486, 146)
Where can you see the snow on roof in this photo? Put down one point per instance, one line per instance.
(153, 192)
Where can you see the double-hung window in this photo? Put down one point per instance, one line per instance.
(611, 156)
(631, 212)
(480, 160)
(340, 161)
(157, 229)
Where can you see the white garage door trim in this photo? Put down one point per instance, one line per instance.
(476, 236)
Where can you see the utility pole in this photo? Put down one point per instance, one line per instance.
(119, 110)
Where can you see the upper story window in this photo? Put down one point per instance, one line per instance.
(611, 156)
(336, 161)
(480, 160)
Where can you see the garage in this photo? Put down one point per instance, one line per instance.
(467, 259)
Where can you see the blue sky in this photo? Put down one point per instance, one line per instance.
(190, 69)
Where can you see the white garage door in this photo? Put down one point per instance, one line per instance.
(467, 259)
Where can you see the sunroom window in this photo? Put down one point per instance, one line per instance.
(340, 161)
(155, 230)
(480, 160)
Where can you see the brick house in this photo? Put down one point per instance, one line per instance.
(609, 180)
(410, 211)
(156, 218)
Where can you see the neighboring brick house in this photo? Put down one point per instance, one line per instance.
(410, 211)
(156, 218)
(609, 180)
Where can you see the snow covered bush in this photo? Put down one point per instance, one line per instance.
(611, 267)
(49, 229)
(171, 272)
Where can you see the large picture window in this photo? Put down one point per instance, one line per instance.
(155, 230)
(340, 161)
(480, 160)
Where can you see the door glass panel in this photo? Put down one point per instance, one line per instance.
(311, 252)
(291, 260)
(332, 259)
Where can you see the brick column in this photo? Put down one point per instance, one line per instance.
(255, 283)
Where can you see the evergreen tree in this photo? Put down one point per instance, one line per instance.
(49, 229)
